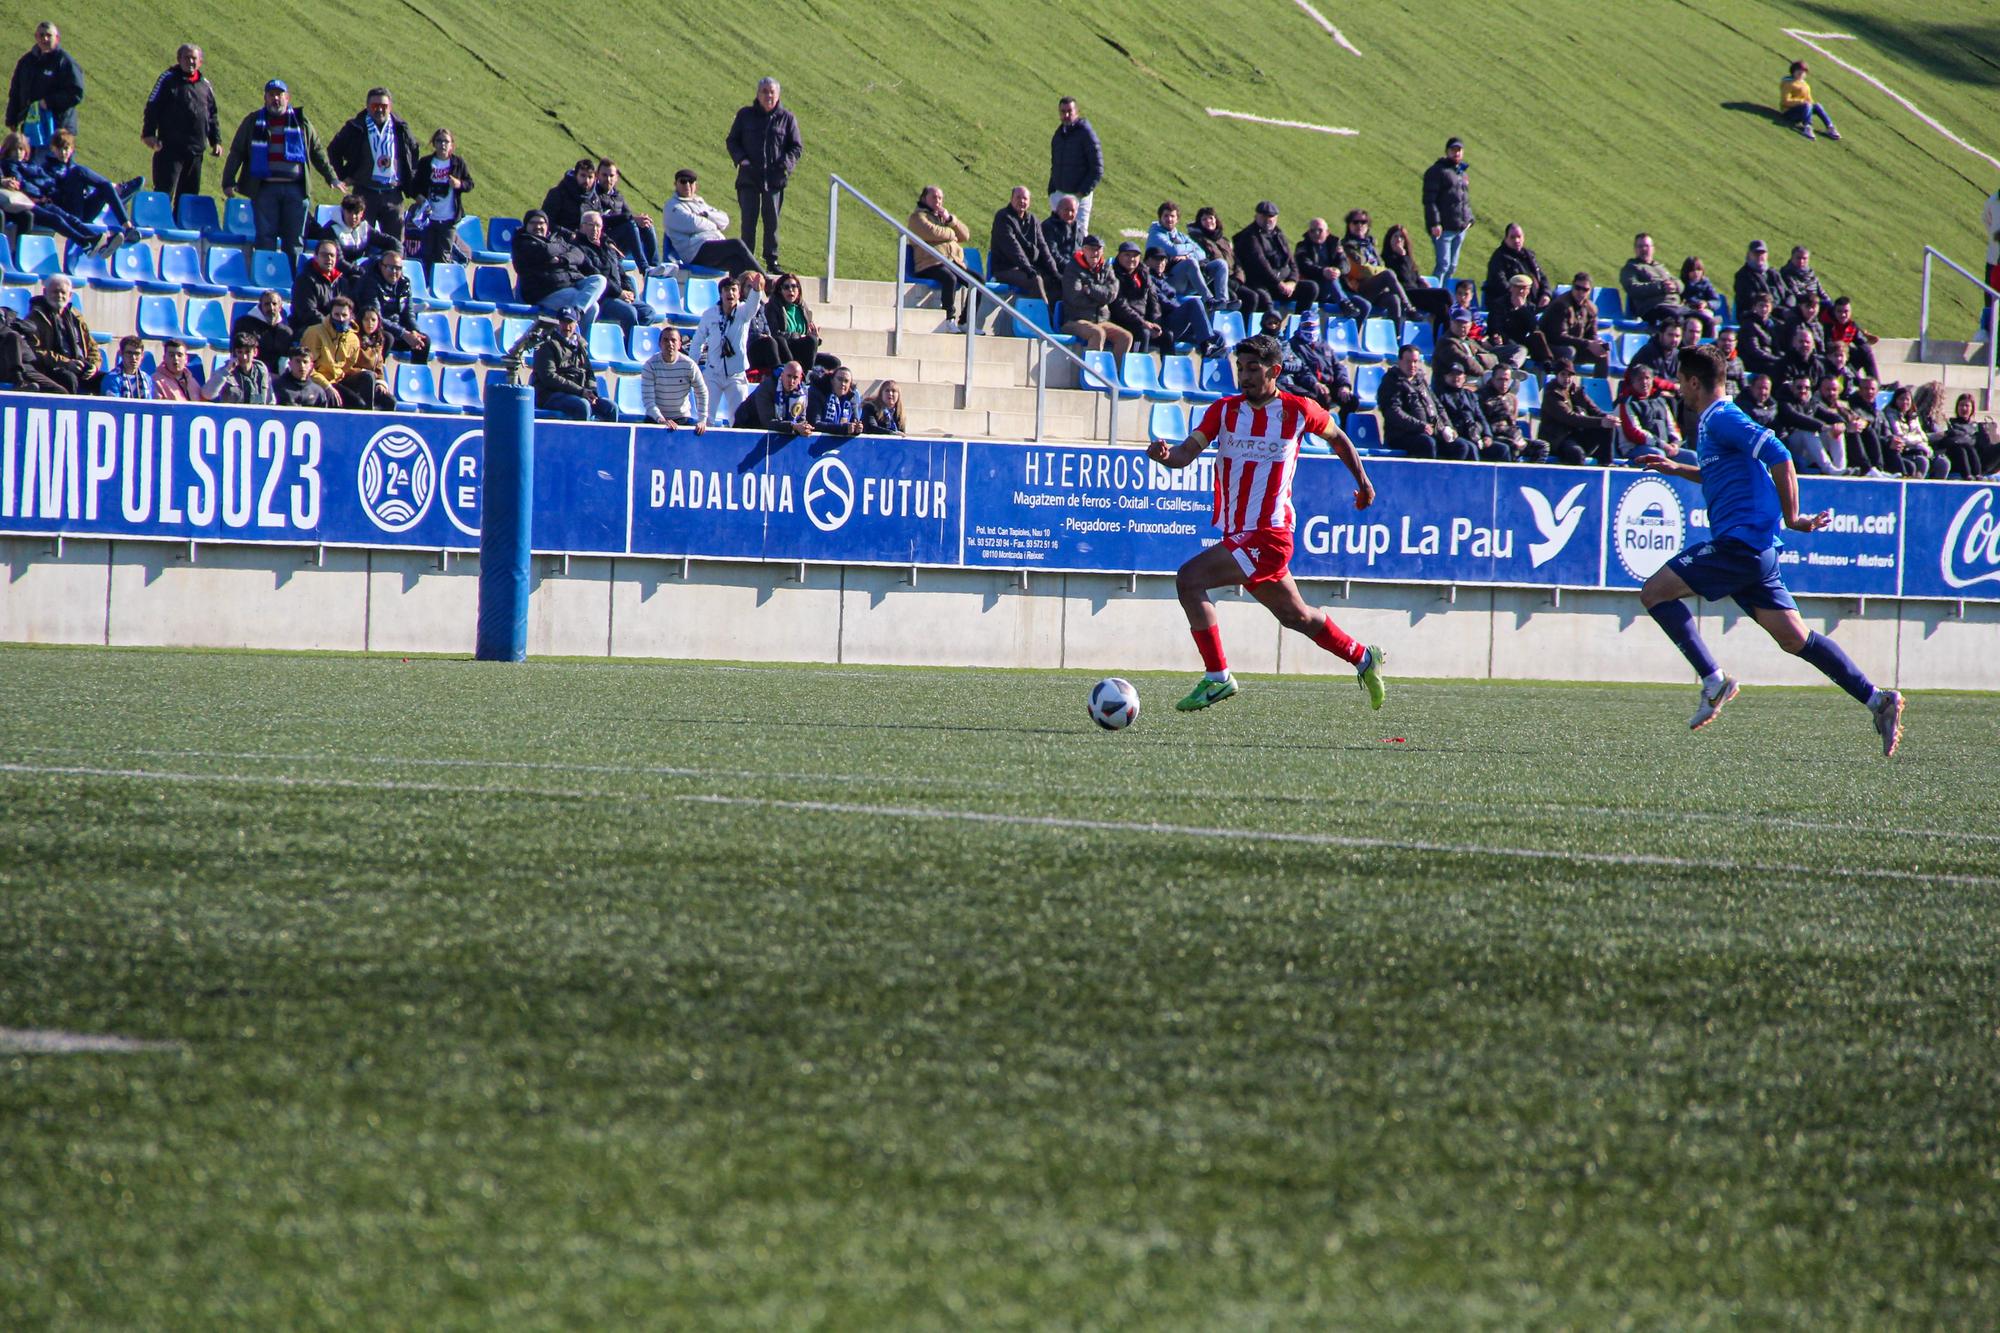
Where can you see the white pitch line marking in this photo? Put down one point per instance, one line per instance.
(52, 1041)
(1284, 124)
(928, 781)
(1334, 840)
(1332, 31)
(1908, 105)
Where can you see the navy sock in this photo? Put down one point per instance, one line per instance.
(1837, 666)
(1678, 622)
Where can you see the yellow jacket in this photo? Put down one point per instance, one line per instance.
(1793, 92)
(335, 355)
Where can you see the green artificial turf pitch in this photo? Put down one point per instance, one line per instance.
(693, 996)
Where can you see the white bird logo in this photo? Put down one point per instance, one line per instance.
(1556, 525)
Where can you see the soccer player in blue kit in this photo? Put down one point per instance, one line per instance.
(1752, 490)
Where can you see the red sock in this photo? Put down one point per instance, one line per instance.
(1209, 641)
(1334, 639)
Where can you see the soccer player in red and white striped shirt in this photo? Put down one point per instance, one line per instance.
(1256, 435)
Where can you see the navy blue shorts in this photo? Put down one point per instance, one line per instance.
(1730, 568)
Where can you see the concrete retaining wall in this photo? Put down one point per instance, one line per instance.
(145, 593)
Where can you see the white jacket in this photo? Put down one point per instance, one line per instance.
(719, 343)
(691, 224)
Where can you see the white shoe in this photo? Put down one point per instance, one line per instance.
(953, 326)
(1710, 705)
(1888, 711)
(661, 271)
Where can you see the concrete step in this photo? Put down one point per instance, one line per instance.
(859, 292)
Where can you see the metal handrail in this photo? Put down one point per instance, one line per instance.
(976, 287)
(1991, 312)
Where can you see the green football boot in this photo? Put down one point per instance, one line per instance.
(1206, 692)
(1370, 674)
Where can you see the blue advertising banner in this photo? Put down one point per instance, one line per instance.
(107, 468)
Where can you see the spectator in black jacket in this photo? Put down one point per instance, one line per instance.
(180, 121)
(1757, 402)
(1089, 288)
(1061, 233)
(1800, 360)
(569, 198)
(833, 405)
(1436, 302)
(1137, 307)
(1076, 160)
(1758, 335)
(1966, 444)
(1796, 280)
(1019, 253)
(1466, 418)
(562, 379)
(1662, 354)
(47, 82)
(295, 386)
(629, 231)
(1501, 407)
(1814, 432)
(1510, 257)
(317, 284)
(267, 325)
(764, 144)
(883, 413)
(382, 287)
(1755, 276)
(1447, 208)
(1268, 263)
(1572, 427)
(1412, 419)
(553, 272)
(620, 303)
(375, 156)
(1307, 366)
(1318, 255)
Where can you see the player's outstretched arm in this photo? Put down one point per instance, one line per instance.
(1672, 467)
(1343, 449)
(1178, 455)
(1786, 478)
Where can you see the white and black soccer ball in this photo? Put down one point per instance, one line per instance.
(1114, 704)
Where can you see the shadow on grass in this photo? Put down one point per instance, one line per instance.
(1965, 53)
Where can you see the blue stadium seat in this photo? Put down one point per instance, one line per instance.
(453, 282)
(664, 295)
(1218, 376)
(459, 386)
(239, 221)
(182, 263)
(1107, 369)
(975, 261)
(910, 273)
(1378, 337)
(471, 229)
(1182, 374)
(1528, 391)
(608, 350)
(16, 299)
(1365, 430)
(10, 272)
(238, 309)
(1169, 422)
(207, 323)
(420, 289)
(1343, 335)
(1419, 332)
(1599, 392)
(1367, 379)
(94, 270)
(1036, 314)
(159, 317)
(645, 342)
(500, 240)
(1228, 326)
(1137, 371)
(477, 339)
(511, 329)
(152, 211)
(436, 325)
(271, 271)
(630, 397)
(416, 387)
(1316, 446)
(701, 295)
(1610, 306)
(1624, 346)
(39, 256)
(199, 213)
(495, 287)
(228, 268)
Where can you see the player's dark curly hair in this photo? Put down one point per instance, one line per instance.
(1261, 347)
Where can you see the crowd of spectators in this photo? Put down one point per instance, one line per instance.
(1795, 355)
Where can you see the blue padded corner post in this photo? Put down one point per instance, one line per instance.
(507, 482)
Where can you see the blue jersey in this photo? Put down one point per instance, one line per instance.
(1736, 455)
